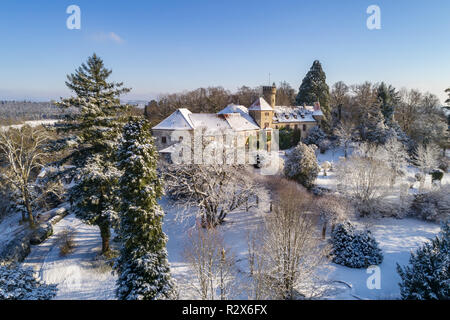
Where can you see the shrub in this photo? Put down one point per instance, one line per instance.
(65, 242)
(354, 249)
(315, 136)
(17, 283)
(433, 205)
(301, 165)
(427, 275)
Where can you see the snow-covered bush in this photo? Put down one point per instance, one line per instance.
(301, 165)
(353, 248)
(17, 283)
(433, 205)
(427, 275)
(315, 136)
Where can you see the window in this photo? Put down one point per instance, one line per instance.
(288, 126)
(180, 138)
(304, 127)
(163, 140)
(276, 127)
(267, 114)
(266, 125)
(296, 127)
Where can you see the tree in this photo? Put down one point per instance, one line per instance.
(345, 133)
(212, 264)
(17, 283)
(290, 249)
(367, 116)
(301, 165)
(362, 177)
(315, 89)
(426, 157)
(143, 267)
(426, 276)
(285, 94)
(448, 100)
(353, 248)
(97, 127)
(24, 153)
(339, 99)
(395, 155)
(389, 98)
(332, 210)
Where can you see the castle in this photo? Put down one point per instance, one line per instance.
(261, 115)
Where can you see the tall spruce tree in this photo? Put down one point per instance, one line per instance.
(315, 89)
(97, 127)
(143, 267)
(389, 98)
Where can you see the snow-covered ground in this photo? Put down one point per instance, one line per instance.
(397, 238)
(31, 123)
(79, 275)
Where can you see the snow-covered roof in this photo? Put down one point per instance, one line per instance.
(169, 149)
(234, 108)
(260, 105)
(211, 121)
(238, 118)
(239, 122)
(179, 120)
(293, 114)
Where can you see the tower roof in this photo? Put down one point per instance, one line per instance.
(260, 105)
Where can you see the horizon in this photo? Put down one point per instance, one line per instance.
(159, 48)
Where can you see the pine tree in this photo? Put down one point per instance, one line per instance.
(388, 98)
(427, 276)
(97, 127)
(143, 266)
(315, 89)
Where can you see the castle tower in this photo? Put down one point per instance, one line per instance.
(270, 94)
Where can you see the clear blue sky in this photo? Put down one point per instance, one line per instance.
(167, 46)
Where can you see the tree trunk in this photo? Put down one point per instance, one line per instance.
(105, 232)
(29, 210)
(324, 230)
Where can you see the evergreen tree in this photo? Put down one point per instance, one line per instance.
(353, 248)
(427, 276)
(97, 127)
(143, 266)
(448, 100)
(388, 98)
(315, 89)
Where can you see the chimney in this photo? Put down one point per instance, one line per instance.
(316, 106)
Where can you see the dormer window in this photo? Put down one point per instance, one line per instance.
(163, 140)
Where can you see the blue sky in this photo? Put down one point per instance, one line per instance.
(168, 46)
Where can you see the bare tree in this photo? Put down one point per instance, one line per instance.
(426, 158)
(24, 154)
(395, 155)
(290, 251)
(332, 210)
(345, 132)
(212, 264)
(362, 177)
(216, 189)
